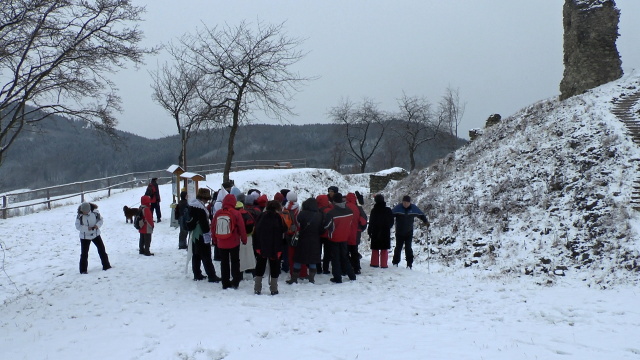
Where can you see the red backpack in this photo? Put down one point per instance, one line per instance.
(225, 224)
(249, 221)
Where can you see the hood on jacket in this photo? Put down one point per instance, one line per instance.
(310, 204)
(145, 200)
(351, 198)
(221, 195)
(229, 201)
(262, 200)
(323, 201)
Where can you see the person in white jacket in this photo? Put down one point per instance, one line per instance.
(88, 222)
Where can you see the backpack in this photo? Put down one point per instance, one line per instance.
(138, 221)
(249, 221)
(288, 215)
(225, 224)
(362, 221)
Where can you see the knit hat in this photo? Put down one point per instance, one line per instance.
(251, 198)
(85, 207)
(242, 198)
(333, 188)
(291, 196)
(337, 198)
(239, 205)
(406, 198)
(379, 199)
(278, 197)
(227, 184)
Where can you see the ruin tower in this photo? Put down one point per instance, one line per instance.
(591, 57)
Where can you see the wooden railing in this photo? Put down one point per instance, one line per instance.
(24, 202)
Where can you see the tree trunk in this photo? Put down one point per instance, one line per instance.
(412, 159)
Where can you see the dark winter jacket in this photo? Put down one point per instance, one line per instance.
(183, 204)
(310, 218)
(269, 234)
(404, 218)
(380, 224)
(338, 222)
(199, 215)
(153, 192)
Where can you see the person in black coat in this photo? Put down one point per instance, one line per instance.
(308, 250)
(379, 230)
(268, 240)
(199, 227)
(181, 208)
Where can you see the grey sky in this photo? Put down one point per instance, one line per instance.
(501, 54)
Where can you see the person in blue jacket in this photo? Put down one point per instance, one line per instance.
(404, 213)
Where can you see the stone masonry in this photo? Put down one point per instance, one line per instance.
(591, 57)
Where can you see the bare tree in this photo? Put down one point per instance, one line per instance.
(451, 110)
(364, 127)
(54, 57)
(175, 88)
(416, 124)
(245, 70)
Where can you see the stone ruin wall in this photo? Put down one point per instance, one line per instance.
(591, 57)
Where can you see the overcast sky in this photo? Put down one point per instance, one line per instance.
(502, 55)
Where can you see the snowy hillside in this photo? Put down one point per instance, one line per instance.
(545, 192)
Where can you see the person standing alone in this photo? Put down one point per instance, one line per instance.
(404, 214)
(88, 222)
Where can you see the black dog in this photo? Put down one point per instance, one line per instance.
(129, 213)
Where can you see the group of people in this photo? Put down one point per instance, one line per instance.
(248, 232)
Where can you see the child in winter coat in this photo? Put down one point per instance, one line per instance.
(147, 228)
(88, 222)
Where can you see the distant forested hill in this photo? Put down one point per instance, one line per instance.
(63, 151)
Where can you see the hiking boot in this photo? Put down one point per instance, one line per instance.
(214, 279)
(294, 277)
(312, 275)
(273, 286)
(105, 268)
(198, 277)
(336, 281)
(257, 287)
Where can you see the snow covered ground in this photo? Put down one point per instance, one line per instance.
(150, 308)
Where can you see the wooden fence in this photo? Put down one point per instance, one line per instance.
(24, 202)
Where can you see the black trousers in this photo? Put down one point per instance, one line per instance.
(261, 266)
(230, 266)
(403, 240)
(156, 206)
(340, 261)
(202, 254)
(84, 253)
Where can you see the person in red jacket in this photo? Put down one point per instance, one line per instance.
(324, 205)
(147, 229)
(338, 221)
(227, 231)
(352, 243)
(153, 192)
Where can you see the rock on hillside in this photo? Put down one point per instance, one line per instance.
(546, 192)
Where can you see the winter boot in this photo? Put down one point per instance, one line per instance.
(294, 277)
(147, 245)
(273, 286)
(257, 288)
(312, 275)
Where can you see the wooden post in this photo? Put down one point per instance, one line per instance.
(108, 187)
(81, 193)
(48, 200)
(4, 206)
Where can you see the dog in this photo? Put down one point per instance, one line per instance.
(129, 213)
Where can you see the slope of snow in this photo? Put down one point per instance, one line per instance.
(546, 192)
